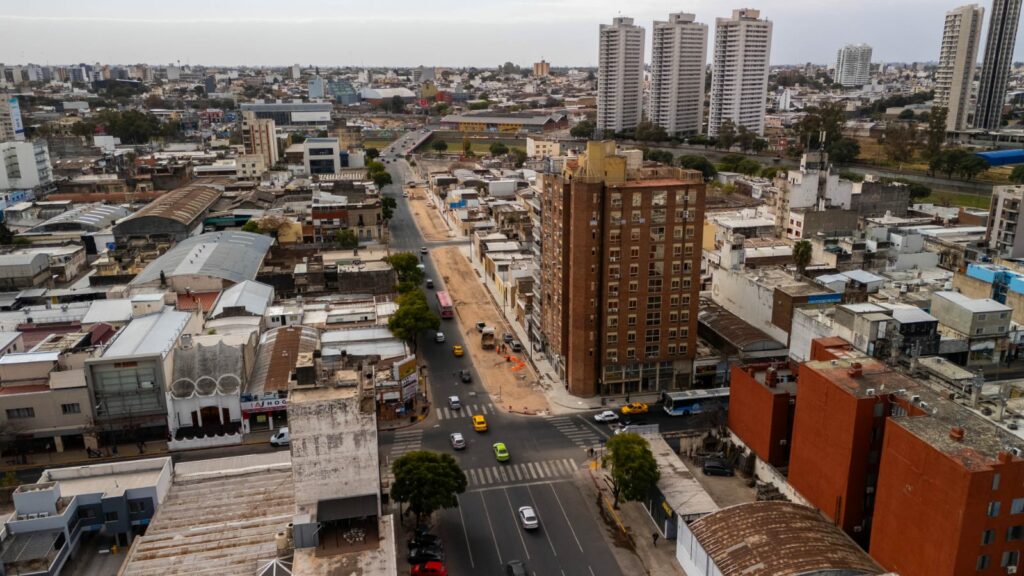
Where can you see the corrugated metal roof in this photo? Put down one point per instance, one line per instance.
(233, 256)
(253, 296)
(150, 334)
(117, 310)
(276, 357)
(183, 205)
(778, 538)
(87, 217)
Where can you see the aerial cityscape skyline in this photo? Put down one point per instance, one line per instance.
(330, 33)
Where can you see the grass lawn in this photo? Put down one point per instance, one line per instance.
(378, 144)
(873, 152)
(943, 198)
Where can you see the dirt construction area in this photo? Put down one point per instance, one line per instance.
(508, 377)
(427, 219)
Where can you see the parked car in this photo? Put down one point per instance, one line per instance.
(634, 420)
(454, 403)
(457, 350)
(423, 250)
(479, 423)
(466, 376)
(458, 442)
(507, 337)
(425, 541)
(635, 408)
(516, 346)
(422, 555)
(606, 416)
(439, 337)
(716, 467)
(430, 283)
(282, 438)
(516, 568)
(528, 518)
(480, 326)
(501, 452)
(429, 569)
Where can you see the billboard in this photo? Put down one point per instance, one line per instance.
(15, 111)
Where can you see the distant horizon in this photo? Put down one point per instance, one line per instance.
(458, 33)
(529, 65)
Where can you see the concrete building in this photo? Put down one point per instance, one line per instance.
(958, 55)
(853, 65)
(315, 88)
(536, 148)
(321, 156)
(206, 264)
(25, 165)
(51, 516)
(620, 273)
(250, 166)
(620, 76)
(541, 69)
(20, 271)
(762, 400)
(739, 82)
(292, 114)
(259, 136)
(678, 58)
(1004, 234)
(11, 125)
(995, 69)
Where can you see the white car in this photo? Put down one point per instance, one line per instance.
(454, 403)
(606, 416)
(458, 442)
(528, 518)
(282, 438)
(439, 337)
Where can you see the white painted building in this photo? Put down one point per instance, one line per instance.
(678, 58)
(24, 165)
(958, 55)
(853, 65)
(620, 75)
(739, 81)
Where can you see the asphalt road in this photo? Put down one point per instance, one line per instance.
(483, 533)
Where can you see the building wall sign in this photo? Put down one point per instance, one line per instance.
(265, 405)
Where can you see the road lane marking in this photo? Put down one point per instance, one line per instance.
(486, 472)
(469, 410)
(591, 570)
(515, 520)
(534, 470)
(596, 429)
(472, 477)
(465, 534)
(491, 526)
(440, 415)
(533, 501)
(566, 516)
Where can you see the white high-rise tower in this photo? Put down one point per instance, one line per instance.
(853, 65)
(620, 76)
(957, 58)
(739, 80)
(679, 55)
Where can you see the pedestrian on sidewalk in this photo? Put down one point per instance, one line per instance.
(654, 537)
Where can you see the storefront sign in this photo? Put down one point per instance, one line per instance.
(265, 405)
(668, 509)
(410, 388)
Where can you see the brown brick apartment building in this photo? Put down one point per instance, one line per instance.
(620, 272)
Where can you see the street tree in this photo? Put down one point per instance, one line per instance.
(1017, 176)
(427, 482)
(388, 205)
(520, 156)
(413, 315)
(498, 149)
(381, 179)
(467, 147)
(844, 150)
(823, 121)
(347, 239)
(406, 266)
(251, 226)
(748, 167)
(802, 253)
(701, 163)
(439, 145)
(899, 141)
(726, 135)
(647, 131)
(634, 470)
(583, 129)
(746, 139)
(971, 166)
(936, 134)
(372, 153)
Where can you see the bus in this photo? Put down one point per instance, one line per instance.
(687, 402)
(444, 305)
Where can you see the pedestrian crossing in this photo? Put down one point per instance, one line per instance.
(521, 472)
(467, 411)
(579, 433)
(405, 441)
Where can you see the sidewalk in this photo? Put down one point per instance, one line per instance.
(628, 530)
(126, 451)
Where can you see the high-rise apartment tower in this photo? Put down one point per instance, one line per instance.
(678, 58)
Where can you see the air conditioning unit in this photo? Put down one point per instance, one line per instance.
(1011, 569)
(915, 398)
(870, 391)
(1016, 451)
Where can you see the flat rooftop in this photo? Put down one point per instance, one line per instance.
(110, 479)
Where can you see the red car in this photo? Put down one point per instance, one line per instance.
(430, 569)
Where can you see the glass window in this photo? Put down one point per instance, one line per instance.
(73, 408)
(638, 200)
(1014, 533)
(993, 509)
(988, 537)
(110, 517)
(982, 562)
(16, 413)
(659, 198)
(995, 481)
(1017, 506)
(1010, 558)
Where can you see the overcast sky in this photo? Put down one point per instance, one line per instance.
(432, 32)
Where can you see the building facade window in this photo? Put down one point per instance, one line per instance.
(988, 537)
(993, 509)
(1015, 533)
(1010, 558)
(73, 408)
(982, 562)
(19, 413)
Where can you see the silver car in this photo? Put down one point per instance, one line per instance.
(528, 518)
(458, 442)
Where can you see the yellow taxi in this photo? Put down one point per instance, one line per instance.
(635, 408)
(479, 423)
(457, 350)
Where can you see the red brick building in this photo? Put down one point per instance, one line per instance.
(762, 399)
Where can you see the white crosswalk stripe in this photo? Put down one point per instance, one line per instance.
(405, 441)
(467, 411)
(578, 432)
(521, 472)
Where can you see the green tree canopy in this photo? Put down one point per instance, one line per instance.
(372, 153)
(663, 156)
(406, 266)
(583, 129)
(413, 315)
(388, 205)
(647, 131)
(749, 167)
(731, 162)
(251, 226)
(936, 135)
(802, 253)
(498, 149)
(698, 163)
(826, 119)
(727, 134)
(427, 482)
(899, 141)
(1017, 176)
(906, 114)
(844, 150)
(381, 179)
(347, 239)
(520, 156)
(439, 145)
(634, 470)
